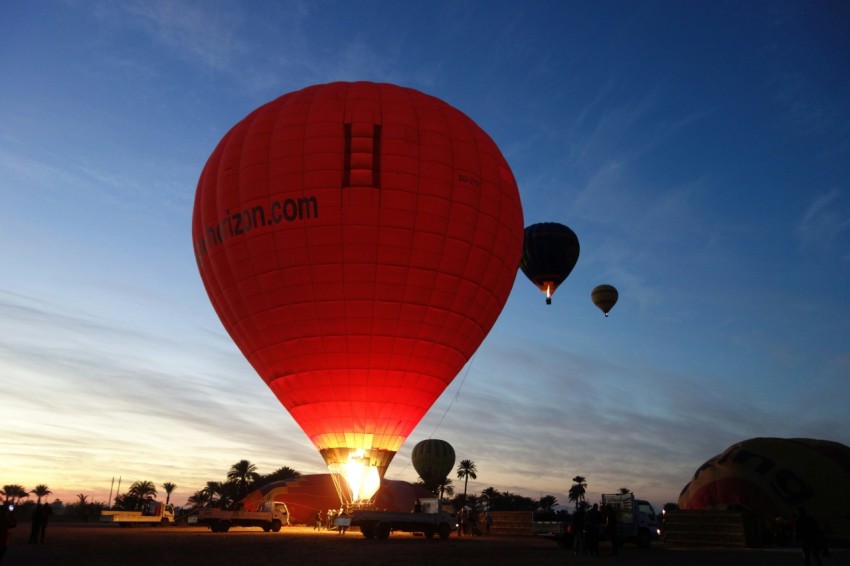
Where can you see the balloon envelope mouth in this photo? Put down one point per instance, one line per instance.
(362, 480)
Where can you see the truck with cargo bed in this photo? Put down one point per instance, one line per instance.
(153, 513)
(636, 519)
(636, 523)
(270, 516)
(427, 519)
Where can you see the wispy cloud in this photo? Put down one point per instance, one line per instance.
(132, 399)
(825, 219)
(200, 31)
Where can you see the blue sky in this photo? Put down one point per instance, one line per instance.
(700, 151)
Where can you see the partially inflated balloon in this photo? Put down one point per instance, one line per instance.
(305, 494)
(433, 460)
(774, 477)
(358, 242)
(604, 297)
(550, 251)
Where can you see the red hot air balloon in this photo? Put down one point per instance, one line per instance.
(550, 251)
(358, 242)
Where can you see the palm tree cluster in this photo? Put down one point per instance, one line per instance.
(139, 494)
(18, 496)
(14, 493)
(496, 500)
(241, 479)
(490, 498)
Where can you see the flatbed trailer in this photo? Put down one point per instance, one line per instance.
(270, 517)
(429, 521)
(154, 514)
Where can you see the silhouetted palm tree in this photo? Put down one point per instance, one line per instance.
(547, 502)
(221, 494)
(40, 491)
(465, 470)
(446, 488)
(13, 493)
(491, 494)
(200, 498)
(242, 473)
(142, 491)
(625, 491)
(283, 473)
(577, 490)
(82, 506)
(169, 488)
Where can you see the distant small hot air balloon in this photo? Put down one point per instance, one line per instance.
(549, 253)
(604, 297)
(433, 460)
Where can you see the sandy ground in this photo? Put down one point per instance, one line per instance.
(87, 543)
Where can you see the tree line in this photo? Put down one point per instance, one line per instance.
(243, 477)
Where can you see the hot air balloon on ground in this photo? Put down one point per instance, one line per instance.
(604, 297)
(773, 478)
(549, 253)
(433, 460)
(358, 242)
(304, 494)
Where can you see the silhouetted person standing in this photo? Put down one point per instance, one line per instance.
(611, 528)
(46, 512)
(344, 522)
(7, 522)
(35, 525)
(809, 536)
(578, 530)
(592, 522)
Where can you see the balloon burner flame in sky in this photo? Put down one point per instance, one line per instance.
(549, 253)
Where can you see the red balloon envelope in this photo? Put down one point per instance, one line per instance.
(358, 242)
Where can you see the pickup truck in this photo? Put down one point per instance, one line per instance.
(636, 519)
(271, 516)
(154, 513)
(636, 522)
(430, 521)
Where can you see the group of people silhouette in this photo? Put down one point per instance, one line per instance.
(587, 526)
(40, 518)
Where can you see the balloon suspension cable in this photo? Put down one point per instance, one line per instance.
(456, 395)
(454, 398)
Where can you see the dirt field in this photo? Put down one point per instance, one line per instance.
(70, 544)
